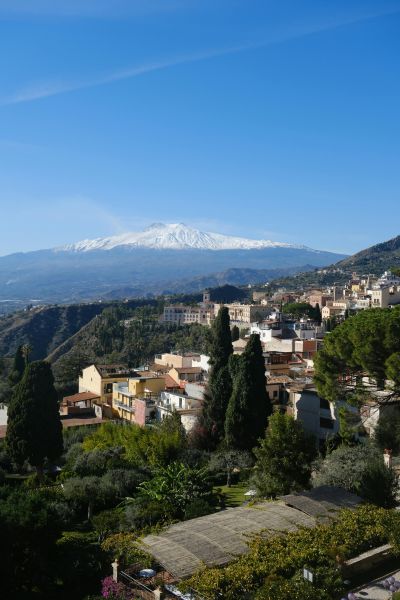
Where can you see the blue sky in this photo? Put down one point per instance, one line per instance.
(267, 119)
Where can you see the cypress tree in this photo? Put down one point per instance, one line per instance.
(317, 314)
(249, 406)
(34, 430)
(235, 333)
(18, 367)
(219, 387)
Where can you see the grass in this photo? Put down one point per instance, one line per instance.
(235, 495)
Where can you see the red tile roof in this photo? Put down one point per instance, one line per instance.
(81, 397)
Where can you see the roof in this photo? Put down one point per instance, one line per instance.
(117, 370)
(188, 369)
(81, 397)
(170, 382)
(320, 502)
(217, 539)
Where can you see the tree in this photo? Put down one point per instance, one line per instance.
(18, 367)
(360, 470)
(299, 310)
(366, 344)
(89, 491)
(249, 406)
(284, 457)
(228, 461)
(387, 432)
(219, 387)
(34, 431)
(317, 314)
(235, 333)
(176, 486)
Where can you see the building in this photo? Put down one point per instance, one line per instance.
(187, 407)
(317, 415)
(182, 314)
(135, 400)
(386, 291)
(99, 380)
(184, 374)
(176, 359)
(245, 313)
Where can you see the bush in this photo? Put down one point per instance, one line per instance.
(198, 508)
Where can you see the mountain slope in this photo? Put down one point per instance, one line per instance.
(374, 260)
(91, 270)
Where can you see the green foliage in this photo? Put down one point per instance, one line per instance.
(360, 470)
(80, 563)
(122, 546)
(29, 528)
(153, 447)
(220, 384)
(235, 333)
(34, 430)
(387, 432)
(299, 310)
(271, 562)
(249, 406)
(227, 460)
(284, 458)
(176, 486)
(18, 367)
(365, 344)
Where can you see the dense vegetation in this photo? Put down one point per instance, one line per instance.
(366, 344)
(273, 567)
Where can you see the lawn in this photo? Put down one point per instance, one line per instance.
(235, 495)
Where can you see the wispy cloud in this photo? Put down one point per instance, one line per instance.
(47, 89)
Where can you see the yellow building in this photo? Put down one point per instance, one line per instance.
(135, 400)
(99, 380)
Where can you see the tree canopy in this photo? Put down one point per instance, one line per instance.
(284, 458)
(365, 344)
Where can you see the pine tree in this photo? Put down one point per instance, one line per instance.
(219, 387)
(249, 406)
(34, 430)
(18, 367)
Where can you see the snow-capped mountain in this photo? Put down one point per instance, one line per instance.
(175, 236)
(160, 258)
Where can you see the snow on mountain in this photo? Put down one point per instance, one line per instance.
(174, 236)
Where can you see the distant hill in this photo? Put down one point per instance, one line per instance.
(375, 260)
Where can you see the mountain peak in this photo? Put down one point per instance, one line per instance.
(174, 236)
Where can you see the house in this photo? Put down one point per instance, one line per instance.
(99, 380)
(386, 291)
(176, 359)
(244, 313)
(135, 400)
(183, 374)
(187, 407)
(86, 403)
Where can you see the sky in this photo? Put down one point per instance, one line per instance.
(266, 119)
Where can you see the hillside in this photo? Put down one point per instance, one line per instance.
(53, 331)
(47, 327)
(375, 260)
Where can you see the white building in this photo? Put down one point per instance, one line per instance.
(188, 408)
